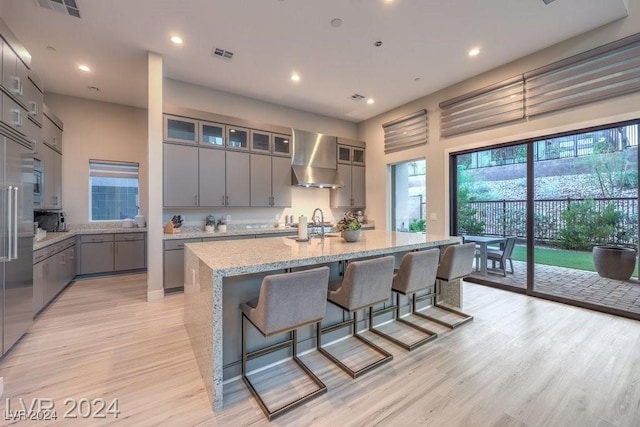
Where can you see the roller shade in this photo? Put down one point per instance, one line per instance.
(109, 169)
(406, 132)
(496, 104)
(608, 71)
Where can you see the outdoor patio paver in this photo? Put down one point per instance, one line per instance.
(579, 285)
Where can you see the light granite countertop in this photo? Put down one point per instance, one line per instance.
(195, 234)
(230, 257)
(55, 237)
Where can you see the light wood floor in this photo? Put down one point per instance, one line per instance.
(521, 362)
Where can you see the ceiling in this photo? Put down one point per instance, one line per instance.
(424, 46)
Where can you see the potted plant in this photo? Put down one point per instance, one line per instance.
(614, 262)
(222, 225)
(209, 223)
(349, 227)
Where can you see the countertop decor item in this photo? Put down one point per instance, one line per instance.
(349, 227)
(173, 226)
(209, 223)
(222, 225)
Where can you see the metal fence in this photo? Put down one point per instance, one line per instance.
(508, 217)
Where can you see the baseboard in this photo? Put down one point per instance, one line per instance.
(157, 295)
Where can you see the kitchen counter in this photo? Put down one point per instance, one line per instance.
(55, 237)
(230, 265)
(241, 232)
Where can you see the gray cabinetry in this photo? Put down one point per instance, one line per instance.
(52, 180)
(108, 253)
(96, 253)
(180, 129)
(130, 251)
(270, 181)
(180, 176)
(174, 262)
(54, 268)
(281, 181)
(350, 156)
(260, 180)
(34, 101)
(212, 171)
(52, 133)
(237, 179)
(14, 73)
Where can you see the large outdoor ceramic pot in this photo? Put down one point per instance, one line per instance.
(351, 235)
(614, 262)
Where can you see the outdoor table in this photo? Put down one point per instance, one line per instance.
(483, 242)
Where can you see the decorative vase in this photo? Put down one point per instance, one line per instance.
(614, 262)
(222, 228)
(351, 235)
(208, 228)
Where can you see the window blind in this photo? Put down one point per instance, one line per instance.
(499, 103)
(112, 169)
(406, 132)
(608, 71)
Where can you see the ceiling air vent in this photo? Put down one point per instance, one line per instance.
(357, 97)
(221, 53)
(68, 7)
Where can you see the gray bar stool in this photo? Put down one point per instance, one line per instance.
(417, 273)
(456, 263)
(365, 284)
(286, 302)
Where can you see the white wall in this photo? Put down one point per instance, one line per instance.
(438, 150)
(96, 130)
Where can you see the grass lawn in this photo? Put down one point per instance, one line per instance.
(560, 257)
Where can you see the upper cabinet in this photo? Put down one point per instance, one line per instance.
(14, 73)
(261, 141)
(350, 156)
(270, 143)
(51, 132)
(237, 138)
(213, 134)
(180, 129)
(35, 99)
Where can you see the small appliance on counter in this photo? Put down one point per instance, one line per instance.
(51, 220)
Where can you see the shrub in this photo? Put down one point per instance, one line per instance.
(467, 221)
(585, 227)
(418, 225)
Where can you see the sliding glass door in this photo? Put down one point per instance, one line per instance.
(571, 201)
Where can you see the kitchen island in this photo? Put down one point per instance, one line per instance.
(219, 275)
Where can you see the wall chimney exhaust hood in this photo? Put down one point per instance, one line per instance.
(313, 160)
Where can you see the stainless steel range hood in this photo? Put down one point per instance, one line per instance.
(314, 160)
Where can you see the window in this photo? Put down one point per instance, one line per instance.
(113, 190)
(409, 196)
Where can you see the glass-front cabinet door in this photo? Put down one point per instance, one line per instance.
(180, 129)
(237, 138)
(260, 141)
(212, 134)
(281, 145)
(344, 154)
(357, 156)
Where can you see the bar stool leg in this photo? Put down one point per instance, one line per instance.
(429, 334)
(292, 343)
(464, 318)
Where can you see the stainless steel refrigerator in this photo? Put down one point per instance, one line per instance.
(16, 240)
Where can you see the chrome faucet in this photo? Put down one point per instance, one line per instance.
(313, 218)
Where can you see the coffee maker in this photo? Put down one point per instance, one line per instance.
(50, 221)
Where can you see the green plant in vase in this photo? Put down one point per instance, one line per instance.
(350, 227)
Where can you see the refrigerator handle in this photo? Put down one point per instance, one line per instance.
(9, 222)
(15, 223)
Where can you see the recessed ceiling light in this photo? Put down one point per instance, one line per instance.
(84, 68)
(295, 77)
(176, 39)
(370, 101)
(474, 52)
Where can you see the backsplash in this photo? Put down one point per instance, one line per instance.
(304, 201)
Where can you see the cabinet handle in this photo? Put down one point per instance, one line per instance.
(17, 120)
(223, 200)
(195, 203)
(34, 108)
(129, 238)
(17, 88)
(226, 200)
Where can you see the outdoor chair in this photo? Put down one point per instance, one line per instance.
(502, 256)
